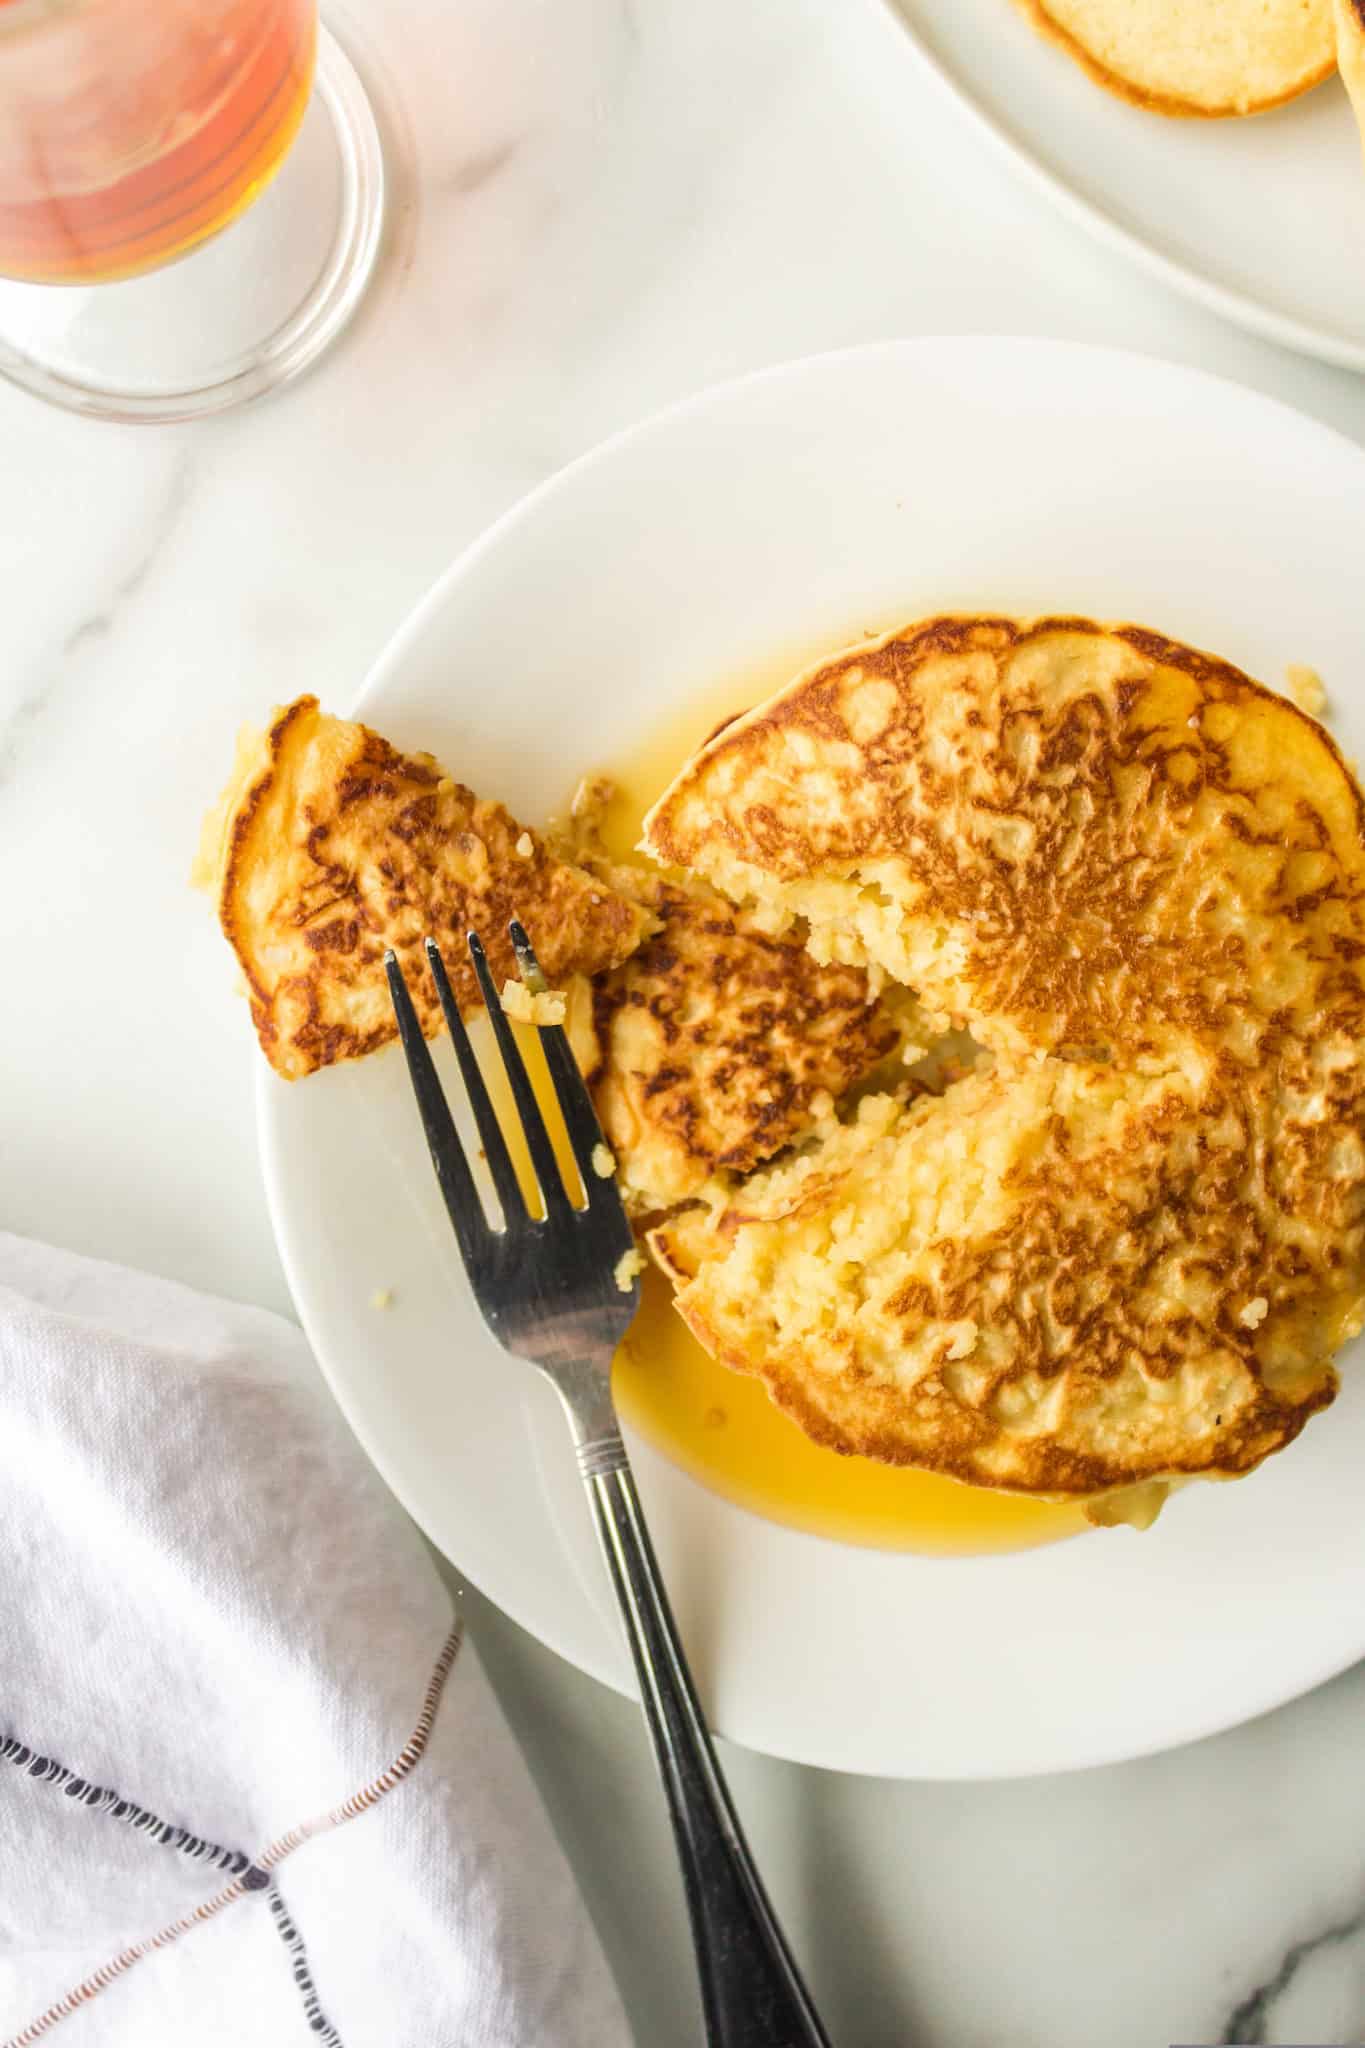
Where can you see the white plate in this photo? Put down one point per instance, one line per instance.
(798, 508)
(1263, 219)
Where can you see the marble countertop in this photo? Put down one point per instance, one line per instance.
(601, 205)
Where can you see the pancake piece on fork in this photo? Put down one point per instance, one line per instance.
(329, 845)
(709, 1045)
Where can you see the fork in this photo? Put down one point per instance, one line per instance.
(553, 1290)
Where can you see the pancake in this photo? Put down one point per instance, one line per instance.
(1125, 1248)
(716, 1045)
(1349, 22)
(1061, 1279)
(1068, 837)
(329, 846)
(1206, 58)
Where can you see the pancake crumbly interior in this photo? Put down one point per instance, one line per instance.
(716, 1045)
(1194, 57)
(1126, 1247)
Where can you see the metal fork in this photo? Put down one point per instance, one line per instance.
(547, 1288)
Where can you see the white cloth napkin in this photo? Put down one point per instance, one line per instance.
(254, 1788)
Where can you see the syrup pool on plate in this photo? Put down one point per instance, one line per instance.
(721, 1426)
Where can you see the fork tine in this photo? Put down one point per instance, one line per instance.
(580, 1118)
(543, 1161)
(495, 1151)
(443, 1140)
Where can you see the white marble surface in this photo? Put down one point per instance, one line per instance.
(602, 206)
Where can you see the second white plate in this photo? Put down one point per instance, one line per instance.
(794, 511)
(1263, 219)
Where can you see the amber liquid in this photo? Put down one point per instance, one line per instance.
(169, 125)
(718, 1425)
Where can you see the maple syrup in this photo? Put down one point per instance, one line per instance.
(130, 133)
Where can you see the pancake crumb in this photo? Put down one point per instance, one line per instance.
(546, 1008)
(1255, 1313)
(525, 846)
(382, 1298)
(591, 801)
(627, 1266)
(603, 1161)
(1307, 689)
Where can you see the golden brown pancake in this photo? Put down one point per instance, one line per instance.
(329, 846)
(715, 1045)
(1066, 836)
(1058, 1279)
(1129, 1249)
(1208, 58)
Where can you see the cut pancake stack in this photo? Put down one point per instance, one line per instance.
(1127, 1246)
(984, 1056)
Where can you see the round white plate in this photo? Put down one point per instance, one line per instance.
(1263, 219)
(798, 509)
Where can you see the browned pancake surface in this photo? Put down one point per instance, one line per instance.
(1130, 1247)
(716, 1045)
(330, 846)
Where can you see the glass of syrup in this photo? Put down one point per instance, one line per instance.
(191, 200)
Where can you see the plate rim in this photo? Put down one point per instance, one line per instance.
(1239, 308)
(1250, 1707)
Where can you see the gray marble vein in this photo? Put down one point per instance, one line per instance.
(478, 170)
(1248, 2023)
(163, 519)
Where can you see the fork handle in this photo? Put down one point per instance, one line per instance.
(751, 1991)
